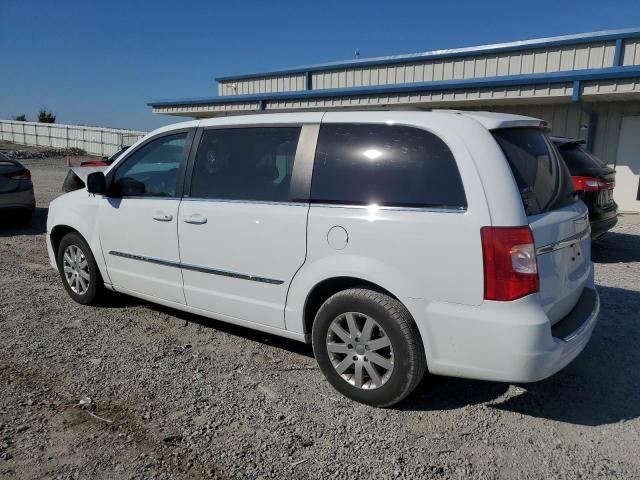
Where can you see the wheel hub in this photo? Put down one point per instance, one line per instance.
(360, 350)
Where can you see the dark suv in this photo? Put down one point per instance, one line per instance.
(593, 181)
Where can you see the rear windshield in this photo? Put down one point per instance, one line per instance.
(577, 158)
(542, 177)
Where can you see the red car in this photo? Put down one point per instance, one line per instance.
(106, 161)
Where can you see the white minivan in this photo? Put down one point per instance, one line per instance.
(394, 241)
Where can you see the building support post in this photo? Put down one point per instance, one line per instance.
(575, 96)
(617, 56)
(591, 133)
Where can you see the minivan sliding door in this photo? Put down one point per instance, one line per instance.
(242, 223)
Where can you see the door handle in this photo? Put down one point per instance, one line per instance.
(195, 219)
(162, 216)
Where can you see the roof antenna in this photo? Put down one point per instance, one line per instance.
(357, 54)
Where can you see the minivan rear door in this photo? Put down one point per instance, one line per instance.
(559, 221)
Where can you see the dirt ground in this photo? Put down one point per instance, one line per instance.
(180, 396)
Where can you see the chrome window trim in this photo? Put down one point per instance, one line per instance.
(258, 202)
(302, 174)
(391, 208)
(196, 268)
(567, 242)
(150, 197)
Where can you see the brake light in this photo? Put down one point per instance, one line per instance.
(589, 184)
(510, 263)
(21, 175)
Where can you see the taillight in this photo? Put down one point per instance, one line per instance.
(510, 264)
(21, 175)
(589, 184)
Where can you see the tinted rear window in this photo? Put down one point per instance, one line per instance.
(254, 163)
(542, 177)
(363, 164)
(579, 159)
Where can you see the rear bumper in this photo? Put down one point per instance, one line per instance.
(600, 226)
(18, 200)
(505, 341)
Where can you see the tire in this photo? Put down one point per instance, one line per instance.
(86, 292)
(380, 382)
(26, 217)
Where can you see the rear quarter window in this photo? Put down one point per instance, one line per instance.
(542, 177)
(387, 165)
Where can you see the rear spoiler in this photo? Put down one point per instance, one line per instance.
(541, 124)
(496, 121)
(567, 142)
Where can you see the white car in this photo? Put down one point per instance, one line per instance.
(394, 241)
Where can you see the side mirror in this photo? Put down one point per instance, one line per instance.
(96, 183)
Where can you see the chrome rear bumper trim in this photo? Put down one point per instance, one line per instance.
(567, 242)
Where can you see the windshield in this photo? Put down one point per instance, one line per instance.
(117, 155)
(542, 177)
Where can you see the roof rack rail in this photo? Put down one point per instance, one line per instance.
(381, 108)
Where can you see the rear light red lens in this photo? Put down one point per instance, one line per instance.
(510, 263)
(21, 175)
(589, 184)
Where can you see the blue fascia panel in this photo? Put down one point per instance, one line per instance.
(507, 80)
(450, 53)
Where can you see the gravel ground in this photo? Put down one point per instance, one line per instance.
(179, 396)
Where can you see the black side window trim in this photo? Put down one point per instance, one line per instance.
(183, 162)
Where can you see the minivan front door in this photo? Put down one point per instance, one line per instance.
(138, 221)
(242, 238)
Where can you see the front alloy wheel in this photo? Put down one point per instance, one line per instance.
(76, 269)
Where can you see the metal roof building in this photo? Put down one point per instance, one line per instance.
(586, 85)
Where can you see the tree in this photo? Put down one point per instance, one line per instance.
(46, 117)
(21, 118)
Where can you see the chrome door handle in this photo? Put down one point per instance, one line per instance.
(162, 216)
(195, 219)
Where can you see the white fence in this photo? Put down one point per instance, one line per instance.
(94, 140)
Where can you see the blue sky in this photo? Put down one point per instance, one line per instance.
(99, 63)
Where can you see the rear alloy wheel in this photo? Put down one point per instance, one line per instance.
(368, 347)
(360, 350)
(78, 269)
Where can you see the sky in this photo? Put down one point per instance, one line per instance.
(100, 62)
